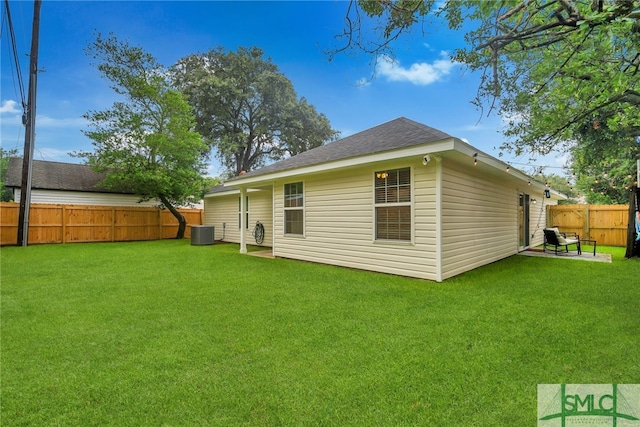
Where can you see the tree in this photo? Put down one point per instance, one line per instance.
(562, 185)
(546, 65)
(305, 129)
(247, 109)
(209, 183)
(5, 155)
(145, 143)
(604, 162)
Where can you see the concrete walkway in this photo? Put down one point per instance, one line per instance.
(262, 254)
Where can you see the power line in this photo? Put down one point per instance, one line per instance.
(16, 57)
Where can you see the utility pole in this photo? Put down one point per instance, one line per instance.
(30, 132)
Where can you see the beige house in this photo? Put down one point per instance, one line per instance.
(399, 198)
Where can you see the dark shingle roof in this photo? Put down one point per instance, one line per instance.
(398, 133)
(56, 176)
(220, 189)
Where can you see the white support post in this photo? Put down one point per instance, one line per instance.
(243, 220)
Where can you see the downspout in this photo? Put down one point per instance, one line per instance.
(438, 218)
(243, 220)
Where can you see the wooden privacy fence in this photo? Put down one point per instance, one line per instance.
(78, 223)
(607, 224)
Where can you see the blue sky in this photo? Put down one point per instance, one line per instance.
(422, 84)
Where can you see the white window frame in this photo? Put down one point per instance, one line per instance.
(293, 208)
(246, 206)
(409, 204)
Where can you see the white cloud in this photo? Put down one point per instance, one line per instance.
(12, 120)
(74, 122)
(440, 5)
(420, 73)
(513, 118)
(54, 154)
(563, 159)
(13, 117)
(474, 128)
(214, 169)
(9, 106)
(363, 81)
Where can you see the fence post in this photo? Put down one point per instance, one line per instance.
(160, 223)
(64, 224)
(587, 225)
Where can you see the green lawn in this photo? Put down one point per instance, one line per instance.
(165, 333)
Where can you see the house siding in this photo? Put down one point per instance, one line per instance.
(223, 209)
(538, 218)
(84, 198)
(339, 223)
(261, 209)
(479, 219)
(222, 213)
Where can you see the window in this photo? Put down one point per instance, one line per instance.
(246, 206)
(393, 204)
(293, 208)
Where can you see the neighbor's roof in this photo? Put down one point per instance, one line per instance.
(57, 176)
(398, 133)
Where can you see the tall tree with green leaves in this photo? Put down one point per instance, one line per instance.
(5, 155)
(548, 66)
(247, 109)
(147, 142)
(604, 162)
(305, 129)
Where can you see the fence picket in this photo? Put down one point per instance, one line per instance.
(607, 224)
(78, 223)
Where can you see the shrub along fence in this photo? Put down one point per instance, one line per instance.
(607, 224)
(78, 223)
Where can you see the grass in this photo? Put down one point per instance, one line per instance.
(165, 333)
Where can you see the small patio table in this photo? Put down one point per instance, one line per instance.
(590, 241)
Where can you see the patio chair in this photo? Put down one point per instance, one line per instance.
(552, 237)
(565, 234)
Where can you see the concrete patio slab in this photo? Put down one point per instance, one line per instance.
(262, 254)
(585, 256)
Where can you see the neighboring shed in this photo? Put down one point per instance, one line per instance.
(400, 198)
(67, 183)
